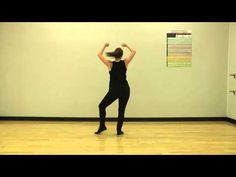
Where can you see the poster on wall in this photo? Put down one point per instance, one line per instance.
(179, 49)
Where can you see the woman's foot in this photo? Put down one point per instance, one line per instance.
(101, 129)
(120, 133)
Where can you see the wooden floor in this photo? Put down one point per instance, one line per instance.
(37, 137)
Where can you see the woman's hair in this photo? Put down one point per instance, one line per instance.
(118, 53)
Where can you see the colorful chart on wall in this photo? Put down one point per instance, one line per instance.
(179, 49)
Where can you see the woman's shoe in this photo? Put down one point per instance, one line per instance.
(101, 129)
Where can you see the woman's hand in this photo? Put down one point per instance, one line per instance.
(124, 45)
(106, 45)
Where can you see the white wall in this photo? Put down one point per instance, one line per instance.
(51, 69)
(231, 102)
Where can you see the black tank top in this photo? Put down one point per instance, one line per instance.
(118, 74)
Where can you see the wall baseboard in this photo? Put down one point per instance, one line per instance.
(112, 119)
(233, 121)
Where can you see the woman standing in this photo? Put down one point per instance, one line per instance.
(118, 86)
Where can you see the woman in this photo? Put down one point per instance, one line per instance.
(118, 86)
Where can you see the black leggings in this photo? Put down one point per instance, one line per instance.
(122, 93)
